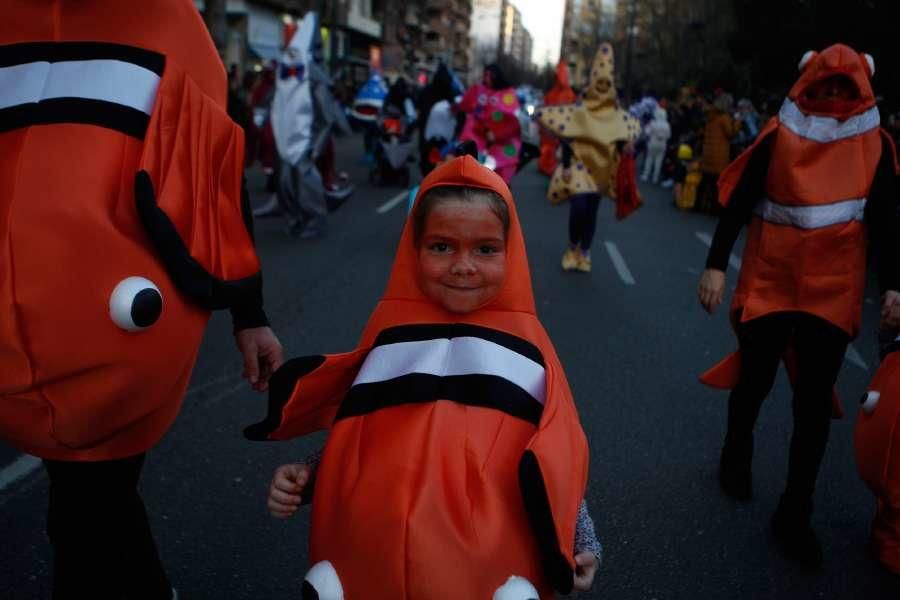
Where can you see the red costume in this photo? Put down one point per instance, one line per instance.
(118, 160)
(806, 245)
(560, 93)
(455, 458)
(877, 441)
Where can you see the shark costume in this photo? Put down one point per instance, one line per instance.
(453, 440)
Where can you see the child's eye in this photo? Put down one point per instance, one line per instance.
(439, 247)
(488, 250)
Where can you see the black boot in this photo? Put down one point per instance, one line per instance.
(735, 470)
(790, 523)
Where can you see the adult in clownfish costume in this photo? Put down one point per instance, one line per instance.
(122, 225)
(820, 177)
(560, 93)
(491, 121)
(877, 442)
(453, 437)
(595, 132)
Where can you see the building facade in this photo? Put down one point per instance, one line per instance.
(497, 30)
(586, 23)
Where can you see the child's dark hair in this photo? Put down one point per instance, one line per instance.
(443, 193)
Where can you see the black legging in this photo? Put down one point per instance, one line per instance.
(102, 544)
(819, 348)
(583, 219)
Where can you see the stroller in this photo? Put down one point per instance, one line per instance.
(392, 152)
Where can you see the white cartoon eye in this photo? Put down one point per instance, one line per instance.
(516, 588)
(490, 162)
(322, 583)
(135, 304)
(871, 62)
(870, 401)
(807, 56)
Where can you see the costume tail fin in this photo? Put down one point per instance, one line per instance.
(724, 376)
(875, 431)
(305, 395)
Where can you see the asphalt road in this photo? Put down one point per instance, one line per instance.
(632, 338)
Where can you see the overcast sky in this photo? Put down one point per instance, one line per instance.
(544, 20)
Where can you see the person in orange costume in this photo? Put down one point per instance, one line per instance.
(560, 93)
(453, 437)
(122, 227)
(817, 180)
(877, 442)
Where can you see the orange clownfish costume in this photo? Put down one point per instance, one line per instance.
(806, 244)
(560, 93)
(877, 441)
(120, 220)
(455, 458)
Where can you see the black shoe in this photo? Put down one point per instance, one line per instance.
(735, 469)
(790, 524)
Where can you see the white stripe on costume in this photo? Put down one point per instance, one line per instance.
(826, 129)
(109, 80)
(811, 217)
(457, 356)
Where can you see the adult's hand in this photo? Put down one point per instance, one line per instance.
(262, 354)
(711, 289)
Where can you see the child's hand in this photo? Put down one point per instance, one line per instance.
(286, 489)
(585, 568)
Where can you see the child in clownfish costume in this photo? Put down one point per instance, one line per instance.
(877, 442)
(453, 436)
(818, 189)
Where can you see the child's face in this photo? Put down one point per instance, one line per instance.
(462, 255)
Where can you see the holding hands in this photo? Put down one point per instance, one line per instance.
(286, 489)
(712, 289)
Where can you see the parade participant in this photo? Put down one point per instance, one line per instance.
(658, 134)
(304, 113)
(877, 442)
(438, 123)
(595, 131)
(817, 180)
(123, 226)
(560, 93)
(365, 110)
(721, 127)
(491, 121)
(453, 437)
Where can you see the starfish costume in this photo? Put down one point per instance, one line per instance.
(455, 458)
(121, 222)
(592, 127)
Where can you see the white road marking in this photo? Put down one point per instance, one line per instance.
(619, 263)
(855, 357)
(392, 202)
(18, 469)
(733, 260)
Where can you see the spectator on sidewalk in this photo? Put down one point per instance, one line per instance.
(721, 127)
(658, 133)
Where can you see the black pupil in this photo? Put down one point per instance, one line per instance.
(146, 307)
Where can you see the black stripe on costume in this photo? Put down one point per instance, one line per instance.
(110, 115)
(486, 391)
(18, 54)
(434, 331)
(281, 386)
(540, 516)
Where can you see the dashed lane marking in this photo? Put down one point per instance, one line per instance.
(392, 202)
(619, 263)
